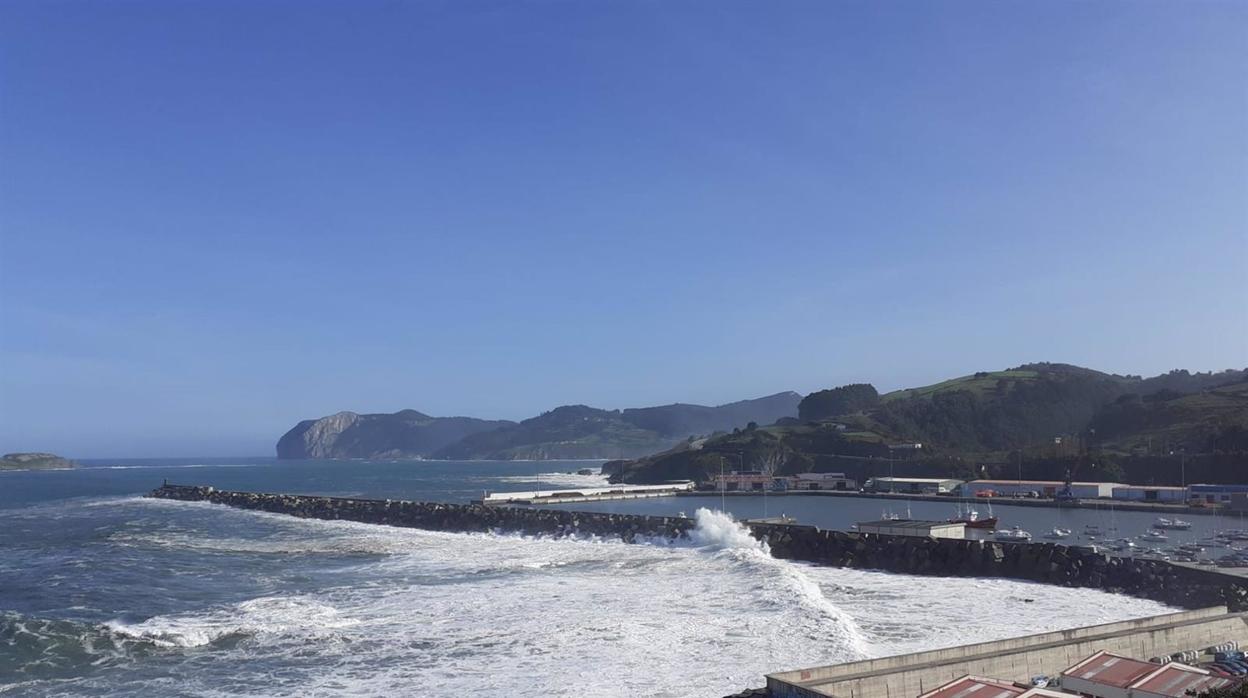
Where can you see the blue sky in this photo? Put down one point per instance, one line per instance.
(218, 218)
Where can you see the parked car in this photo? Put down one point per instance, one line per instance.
(1229, 669)
(1218, 671)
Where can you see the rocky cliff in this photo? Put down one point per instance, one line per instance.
(567, 432)
(34, 461)
(405, 434)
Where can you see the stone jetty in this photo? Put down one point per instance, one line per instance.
(1048, 563)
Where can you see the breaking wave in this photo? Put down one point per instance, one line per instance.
(273, 615)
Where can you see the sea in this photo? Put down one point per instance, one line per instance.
(106, 593)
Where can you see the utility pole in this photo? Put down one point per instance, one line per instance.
(1020, 468)
(723, 484)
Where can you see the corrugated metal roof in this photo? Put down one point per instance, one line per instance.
(975, 687)
(908, 523)
(1111, 670)
(1177, 681)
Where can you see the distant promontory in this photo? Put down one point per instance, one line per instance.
(34, 461)
(566, 432)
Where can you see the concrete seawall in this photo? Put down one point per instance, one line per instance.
(1040, 562)
(1014, 659)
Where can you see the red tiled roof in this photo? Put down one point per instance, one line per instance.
(975, 687)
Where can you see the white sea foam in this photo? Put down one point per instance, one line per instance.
(434, 613)
(555, 480)
(269, 615)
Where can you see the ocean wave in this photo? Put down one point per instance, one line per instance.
(269, 615)
(163, 466)
(555, 480)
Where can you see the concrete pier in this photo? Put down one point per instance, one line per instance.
(587, 494)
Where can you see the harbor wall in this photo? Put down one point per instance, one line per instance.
(1014, 659)
(1048, 563)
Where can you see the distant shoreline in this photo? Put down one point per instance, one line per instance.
(994, 501)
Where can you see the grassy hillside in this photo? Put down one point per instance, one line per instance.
(1056, 417)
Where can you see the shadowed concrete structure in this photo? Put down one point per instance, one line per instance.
(1014, 659)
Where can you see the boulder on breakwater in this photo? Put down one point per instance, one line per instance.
(1048, 563)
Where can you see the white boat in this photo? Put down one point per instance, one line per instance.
(1172, 524)
(1013, 535)
(1154, 535)
(1122, 544)
(1058, 534)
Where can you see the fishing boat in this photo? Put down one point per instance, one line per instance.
(1172, 524)
(972, 519)
(1013, 535)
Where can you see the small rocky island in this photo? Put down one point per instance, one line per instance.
(34, 461)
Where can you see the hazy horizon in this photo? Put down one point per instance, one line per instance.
(219, 219)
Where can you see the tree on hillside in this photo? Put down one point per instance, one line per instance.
(846, 399)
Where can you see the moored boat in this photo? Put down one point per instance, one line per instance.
(972, 519)
(1172, 524)
(1013, 535)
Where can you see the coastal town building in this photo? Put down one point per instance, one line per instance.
(742, 481)
(978, 686)
(1108, 675)
(1042, 488)
(982, 687)
(913, 485)
(818, 481)
(1214, 495)
(1138, 493)
(910, 527)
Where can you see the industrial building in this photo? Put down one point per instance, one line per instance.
(1138, 493)
(742, 480)
(908, 527)
(981, 687)
(913, 485)
(818, 481)
(1214, 495)
(1042, 488)
(1108, 675)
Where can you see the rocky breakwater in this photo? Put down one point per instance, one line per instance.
(1048, 563)
(438, 516)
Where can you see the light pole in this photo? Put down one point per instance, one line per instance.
(723, 486)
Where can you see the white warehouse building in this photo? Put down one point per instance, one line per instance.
(1142, 493)
(1043, 488)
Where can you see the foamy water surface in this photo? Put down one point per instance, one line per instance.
(169, 597)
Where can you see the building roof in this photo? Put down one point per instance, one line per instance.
(1218, 488)
(909, 523)
(1177, 679)
(1149, 487)
(1111, 670)
(975, 687)
(1040, 482)
(932, 480)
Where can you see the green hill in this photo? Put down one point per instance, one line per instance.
(578, 431)
(1053, 416)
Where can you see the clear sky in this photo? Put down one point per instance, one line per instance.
(221, 217)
